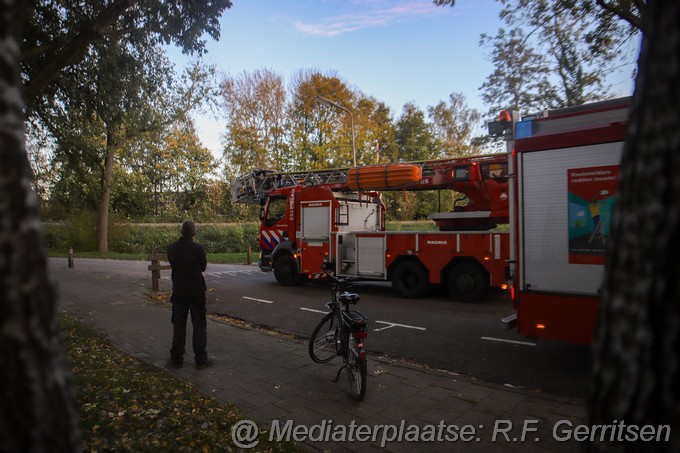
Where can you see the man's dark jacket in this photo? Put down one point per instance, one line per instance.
(188, 262)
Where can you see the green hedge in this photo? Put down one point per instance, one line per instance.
(79, 233)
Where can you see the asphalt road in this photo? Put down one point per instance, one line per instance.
(435, 331)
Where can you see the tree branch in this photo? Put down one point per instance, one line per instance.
(628, 16)
(73, 49)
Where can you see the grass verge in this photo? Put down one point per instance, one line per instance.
(126, 404)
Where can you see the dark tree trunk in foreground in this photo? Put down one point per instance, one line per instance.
(637, 348)
(36, 408)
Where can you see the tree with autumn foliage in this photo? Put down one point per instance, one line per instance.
(454, 125)
(320, 136)
(255, 108)
(557, 53)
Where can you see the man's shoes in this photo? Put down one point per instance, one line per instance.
(205, 364)
(171, 364)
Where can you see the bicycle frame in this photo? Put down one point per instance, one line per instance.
(346, 329)
(353, 322)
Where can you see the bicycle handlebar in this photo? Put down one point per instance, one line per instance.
(339, 281)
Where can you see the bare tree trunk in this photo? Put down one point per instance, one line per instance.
(36, 405)
(105, 195)
(637, 348)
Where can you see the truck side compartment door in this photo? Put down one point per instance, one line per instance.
(315, 231)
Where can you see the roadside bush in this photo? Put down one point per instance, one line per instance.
(234, 239)
(133, 238)
(78, 232)
(145, 239)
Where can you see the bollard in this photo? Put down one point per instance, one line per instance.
(156, 267)
(249, 256)
(70, 258)
(155, 272)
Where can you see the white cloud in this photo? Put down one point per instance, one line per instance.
(373, 14)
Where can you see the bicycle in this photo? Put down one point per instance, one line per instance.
(341, 332)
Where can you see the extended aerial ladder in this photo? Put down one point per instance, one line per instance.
(254, 187)
(481, 180)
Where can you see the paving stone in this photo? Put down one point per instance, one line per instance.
(272, 378)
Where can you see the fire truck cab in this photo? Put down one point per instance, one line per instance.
(304, 221)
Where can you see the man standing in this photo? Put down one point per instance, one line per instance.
(188, 261)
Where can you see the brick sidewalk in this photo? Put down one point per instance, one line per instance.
(270, 377)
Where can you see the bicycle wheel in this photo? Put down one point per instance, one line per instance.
(322, 344)
(356, 368)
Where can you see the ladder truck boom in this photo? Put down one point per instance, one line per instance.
(253, 187)
(256, 185)
(482, 180)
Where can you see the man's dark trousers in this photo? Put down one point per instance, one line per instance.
(182, 305)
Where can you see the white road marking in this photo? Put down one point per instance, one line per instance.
(394, 324)
(502, 340)
(219, 274)
(388, 326)
(230, 273)
(312, 310)
(258, 300)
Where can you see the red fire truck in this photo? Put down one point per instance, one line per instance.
(338, 213)
(565, 164)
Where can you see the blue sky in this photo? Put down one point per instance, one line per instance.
(397, 51)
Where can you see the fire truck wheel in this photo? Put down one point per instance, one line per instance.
(285, 271)
(410, 279)
(467, 282)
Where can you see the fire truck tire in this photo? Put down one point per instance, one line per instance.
(285, 271)
(467, 283)
(410, 279)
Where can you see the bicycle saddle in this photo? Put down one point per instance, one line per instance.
(348, 298)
